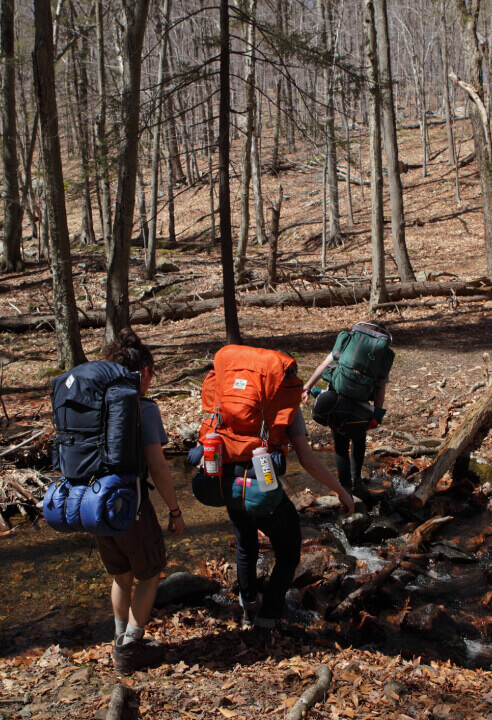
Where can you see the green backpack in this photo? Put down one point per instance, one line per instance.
(364, 356)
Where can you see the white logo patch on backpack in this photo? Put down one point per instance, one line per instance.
(69, 381)
(240, 384)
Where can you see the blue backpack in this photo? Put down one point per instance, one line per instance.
(97, 449)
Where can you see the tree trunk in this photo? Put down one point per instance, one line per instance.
(327, 42)
(405, 269)
(69, 346)
(101, 144)
(479, 117)
(233, 335)
(277, 128)
(256, 176)
(142, 209)
(117, 309)
(11, 259)
(445, 86)
(81, 86)
(478, 418)
(378, 284)
(273, 241)
(250, 121)
(156, 140)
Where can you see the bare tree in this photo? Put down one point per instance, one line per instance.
(468, 13)
(233, 334)
(12, 231)
(101, 141)
(134, 20)
(391, 142)
(378, 282)
(69, 346)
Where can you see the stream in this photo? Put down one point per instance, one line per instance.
(54, 589)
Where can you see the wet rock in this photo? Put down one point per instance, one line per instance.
(344, 562)
(432, 620)
(310, 533)
(312, 567)
(451, 551)
(183, 587)
(440, 632)
(355, 526)
(470, 581)
(319, 600)
(380, 529)
(303, 500)
(332, 540)
(329, 501)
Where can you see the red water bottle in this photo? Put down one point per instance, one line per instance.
(212, 454)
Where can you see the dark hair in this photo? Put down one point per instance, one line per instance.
(128, 350)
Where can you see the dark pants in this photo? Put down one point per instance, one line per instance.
(283, 529)
(349, 436)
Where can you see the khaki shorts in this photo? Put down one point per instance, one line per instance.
(140, 550)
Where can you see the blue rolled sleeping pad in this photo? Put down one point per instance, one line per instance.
(106, 507)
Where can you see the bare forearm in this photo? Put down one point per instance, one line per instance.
(318, 372)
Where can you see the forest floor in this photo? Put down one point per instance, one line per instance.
(442, 363)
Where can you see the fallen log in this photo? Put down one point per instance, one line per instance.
(418, 536)
(477, 420)
(332, 296)
(312, 695)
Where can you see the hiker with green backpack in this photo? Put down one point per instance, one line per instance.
(357, 372)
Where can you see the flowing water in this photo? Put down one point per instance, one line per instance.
(53, 587)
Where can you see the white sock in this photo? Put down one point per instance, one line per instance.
(120, 626)
(132, 633)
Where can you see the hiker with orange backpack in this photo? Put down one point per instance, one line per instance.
(357, 371)
(253, 395)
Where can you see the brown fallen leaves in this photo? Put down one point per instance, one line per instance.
(221, 677)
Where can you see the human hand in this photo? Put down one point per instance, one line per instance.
(176, 526)
(372, 424)
(305, 394)
(347, 501)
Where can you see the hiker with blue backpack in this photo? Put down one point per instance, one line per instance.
(253, 396)
(108, 440)
(357, 371)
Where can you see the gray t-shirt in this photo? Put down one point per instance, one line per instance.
(152, 427)
(297, 426)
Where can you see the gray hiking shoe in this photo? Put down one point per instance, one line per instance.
(136, 655)
(249, 611)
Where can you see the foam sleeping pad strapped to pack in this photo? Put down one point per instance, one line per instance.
(106, 507)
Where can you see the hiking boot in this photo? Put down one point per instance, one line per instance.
(265, 623)
(249, 612)
(136, 655)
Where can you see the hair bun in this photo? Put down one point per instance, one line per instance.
(129, 338)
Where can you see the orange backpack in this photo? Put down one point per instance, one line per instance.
(254, 395)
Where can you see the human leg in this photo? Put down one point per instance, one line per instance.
(357, 451)
(246, 532)
(282, 527)
(341, 443)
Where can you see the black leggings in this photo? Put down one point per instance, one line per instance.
(283, 529)
(351, 437)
